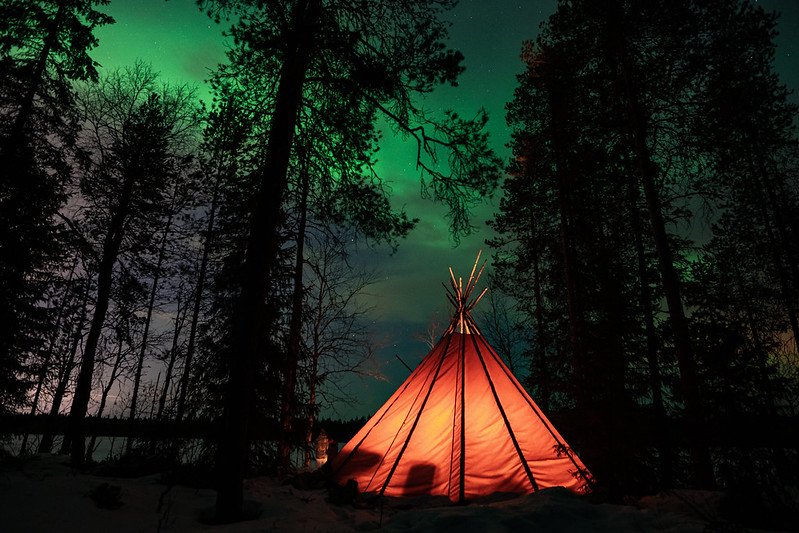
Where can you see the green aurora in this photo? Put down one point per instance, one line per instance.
(184, 45)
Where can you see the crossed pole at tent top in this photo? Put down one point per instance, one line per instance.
(459, 295)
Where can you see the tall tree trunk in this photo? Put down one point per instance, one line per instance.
(287, 403)
(26, 106)
(104, 396)
(311, 419)
(542, 380)
(636, 123)
(645, 302)
(27, 197)
(46, 444)
(198, 299)
(148, 320)
(689, 381)
(558, 118)
(172, 357)
(155, 389)
(105, 272)
(260, 258)
(313, 374)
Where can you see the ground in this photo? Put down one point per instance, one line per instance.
(44, 494)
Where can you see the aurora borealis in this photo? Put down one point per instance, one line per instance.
(184, 45)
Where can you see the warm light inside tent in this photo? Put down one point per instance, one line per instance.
(460, 426)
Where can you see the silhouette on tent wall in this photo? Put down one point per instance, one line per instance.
(420, 477)
(460, 426)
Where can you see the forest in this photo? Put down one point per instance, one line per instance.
(179, 273)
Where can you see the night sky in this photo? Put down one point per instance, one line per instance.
(183, 45)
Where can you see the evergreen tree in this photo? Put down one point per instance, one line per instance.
(44, 46)
(632, 121)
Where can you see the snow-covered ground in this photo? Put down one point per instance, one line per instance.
(43, 494)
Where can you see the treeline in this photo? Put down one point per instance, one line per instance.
(647, 235)
(164, 260)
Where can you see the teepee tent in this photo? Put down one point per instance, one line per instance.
(461, 426)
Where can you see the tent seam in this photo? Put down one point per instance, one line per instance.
(523, 460)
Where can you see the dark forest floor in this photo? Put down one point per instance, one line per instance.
(44, 494)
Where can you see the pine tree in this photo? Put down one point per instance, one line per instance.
(633, 120)
(44, 46)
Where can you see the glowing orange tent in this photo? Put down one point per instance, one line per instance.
(460, 426)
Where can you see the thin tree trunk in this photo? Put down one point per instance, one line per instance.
(148, 320)
(645, 302)
(198, 298)
(46, 363)
(260, 257)
(540, 351)
(682, 341)
(311, 420)
(105, 271)
(15, 154)
(104, 396)
(155, 388)
(172, 357)
(46, 443)
(313, 377)
(559, 142)
(703, 470)
(26, 107)
(295, 329)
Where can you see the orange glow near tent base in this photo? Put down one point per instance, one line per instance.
(460, 426)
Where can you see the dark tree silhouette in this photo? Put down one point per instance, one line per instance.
(382, 55)
(44, 46)
(136, 139)
(632, 122)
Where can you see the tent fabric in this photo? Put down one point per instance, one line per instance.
(460, 426)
